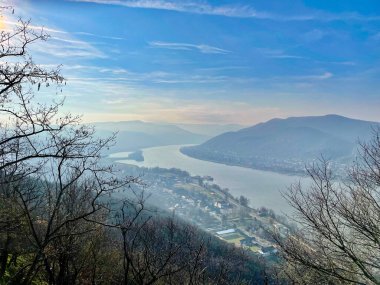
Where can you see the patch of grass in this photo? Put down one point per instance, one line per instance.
(232, 236)
(254, 248)
(235, 241)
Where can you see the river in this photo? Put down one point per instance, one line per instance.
(262, 188)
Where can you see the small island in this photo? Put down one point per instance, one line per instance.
(137, 156)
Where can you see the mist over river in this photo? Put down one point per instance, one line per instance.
(262, 188)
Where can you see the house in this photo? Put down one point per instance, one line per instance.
(222, 205)
(224, 232)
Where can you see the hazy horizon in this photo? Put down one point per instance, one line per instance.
(220, 124)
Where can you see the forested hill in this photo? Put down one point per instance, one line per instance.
(285, 145)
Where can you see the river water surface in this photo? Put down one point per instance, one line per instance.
(262, 188)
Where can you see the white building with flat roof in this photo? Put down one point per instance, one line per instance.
(224, 232)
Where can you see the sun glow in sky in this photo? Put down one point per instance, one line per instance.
(2, 22)
(209, 61)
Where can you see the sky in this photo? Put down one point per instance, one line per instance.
(210, 61)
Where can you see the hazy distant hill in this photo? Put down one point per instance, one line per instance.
(134, 135)
(210, 130)
(286, 144)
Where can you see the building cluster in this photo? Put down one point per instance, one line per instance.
(212, 208)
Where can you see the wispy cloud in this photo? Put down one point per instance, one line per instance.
(95, 74)
(223, 68)
(157, 78)
(286, 56)
(236, 11)
(186, 6)
(66, 47)
(278, 54)
(348, 63)
(308, 80)
(57, 31)
(34, 27)
(189, 47)
(98, 36)
(60, 44)
(188, 111)
(323, 76)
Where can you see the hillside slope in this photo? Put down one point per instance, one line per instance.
(285, 145)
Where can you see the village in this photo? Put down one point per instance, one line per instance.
(201, 202)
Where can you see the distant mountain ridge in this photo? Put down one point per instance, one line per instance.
(210, 130)
(135, 135)
(285, 145)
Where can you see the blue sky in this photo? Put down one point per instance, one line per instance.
(203, 61)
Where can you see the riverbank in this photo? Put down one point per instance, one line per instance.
(262, 188)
